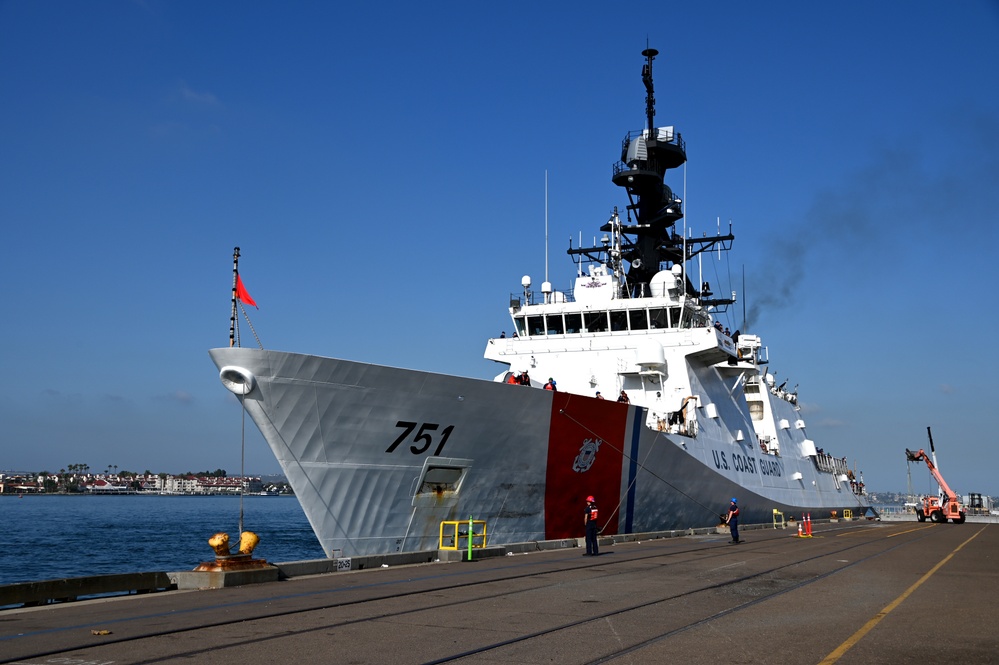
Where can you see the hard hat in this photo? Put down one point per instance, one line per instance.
(590, 499)
(733, 500)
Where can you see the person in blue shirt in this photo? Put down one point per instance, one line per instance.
(733, 520)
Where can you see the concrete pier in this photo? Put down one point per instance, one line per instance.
(856, 592)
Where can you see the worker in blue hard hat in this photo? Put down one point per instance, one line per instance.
(733, 520)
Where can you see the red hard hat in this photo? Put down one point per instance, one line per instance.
(590, 499)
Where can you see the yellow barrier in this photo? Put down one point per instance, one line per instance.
(458, 532)
(779, 517)
(847, 514)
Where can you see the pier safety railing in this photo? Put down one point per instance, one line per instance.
(467, 534)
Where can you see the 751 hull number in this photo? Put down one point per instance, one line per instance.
(423, 439)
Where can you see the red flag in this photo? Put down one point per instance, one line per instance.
(242, 294)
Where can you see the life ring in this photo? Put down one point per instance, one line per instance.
(237, 380)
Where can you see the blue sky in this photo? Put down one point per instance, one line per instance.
(382, 168)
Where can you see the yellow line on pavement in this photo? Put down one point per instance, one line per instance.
(867, 627)
(918, 528)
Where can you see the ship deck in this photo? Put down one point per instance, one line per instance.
(856, 592)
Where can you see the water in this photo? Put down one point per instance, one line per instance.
(46, 537)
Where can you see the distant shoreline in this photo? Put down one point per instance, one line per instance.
(199, 495)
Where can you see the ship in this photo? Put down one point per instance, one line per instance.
(624, 386)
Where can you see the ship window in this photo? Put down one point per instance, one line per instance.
(439, 479)
(573, 323)
(693, 320)
(519, 323)
(535, 325)
(596, 321)
(440, 483)
(659, 317)
(638, 319)
(555, 324)
(619, 320)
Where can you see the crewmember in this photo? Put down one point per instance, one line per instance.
(551, 384)
(733, 521)
(590, 521)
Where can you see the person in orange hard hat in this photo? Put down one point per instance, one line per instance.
(590, 521)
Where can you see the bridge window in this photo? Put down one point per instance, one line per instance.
(638, 320)
(660, 318)
(596, 321)
(619, 320)
(573, 323)
(519, 323)
(555, 324)
(535, 325)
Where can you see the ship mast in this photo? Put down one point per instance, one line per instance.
(650, 93)
(650, 242)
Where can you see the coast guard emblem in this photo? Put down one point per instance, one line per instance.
(587, 455)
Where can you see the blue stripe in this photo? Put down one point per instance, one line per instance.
(636, 433)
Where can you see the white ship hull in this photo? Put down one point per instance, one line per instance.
(357, 442)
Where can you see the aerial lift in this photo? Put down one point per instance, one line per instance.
(932, 507)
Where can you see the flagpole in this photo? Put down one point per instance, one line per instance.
(242, 411)
(235, 276)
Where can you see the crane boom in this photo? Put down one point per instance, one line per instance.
(921, 455)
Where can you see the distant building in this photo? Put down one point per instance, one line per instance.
(204, 485)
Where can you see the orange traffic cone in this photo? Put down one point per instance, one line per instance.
(799, 530)
(808, 526)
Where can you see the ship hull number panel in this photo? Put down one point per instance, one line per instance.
(425, 437)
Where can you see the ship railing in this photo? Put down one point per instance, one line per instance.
(673, 138)
(829, 464)
(518, 300)
(662, 425)
(824, 463)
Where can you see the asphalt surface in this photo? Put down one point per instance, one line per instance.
(857, 592)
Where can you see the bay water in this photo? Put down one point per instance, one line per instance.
(45, 537)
